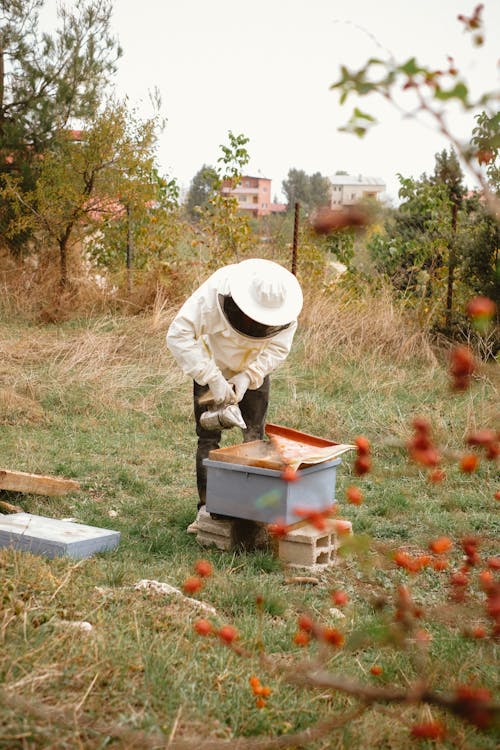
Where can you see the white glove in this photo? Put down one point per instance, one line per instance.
(241, 381)
(222, 392)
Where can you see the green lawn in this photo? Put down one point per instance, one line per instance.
(101, 401)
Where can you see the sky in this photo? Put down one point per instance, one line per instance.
(264, 69)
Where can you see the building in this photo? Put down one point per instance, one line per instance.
(254, 196)
(348, 189)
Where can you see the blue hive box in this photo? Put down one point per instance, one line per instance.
(53, 537)
(259, 493)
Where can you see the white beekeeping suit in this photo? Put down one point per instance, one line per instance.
(211, 350)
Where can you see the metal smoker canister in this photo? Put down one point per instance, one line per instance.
(223, 419)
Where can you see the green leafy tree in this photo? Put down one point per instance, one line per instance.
(478, 250)
(311, 191)
(144, 231)
(320, 190)
(201, 190)
(435, 239)
(411, 247)
(447, 172)
(223, 229)
(297, 188)
(48, 81)
(84, 185)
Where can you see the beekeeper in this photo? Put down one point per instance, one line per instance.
(234, 330)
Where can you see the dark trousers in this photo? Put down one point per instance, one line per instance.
(253, 407)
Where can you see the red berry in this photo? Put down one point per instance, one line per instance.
(254, 682)
(301, 638)
(363, 445)
(437, 475)
(340, 598)
(354, 495)
(478, 632)
(462, 360)
(228, 634)
(430, 730)
(306, 623)
(440, 564)
(192, 584)
(481, 437)
(376, 670)
(342, 526)
(469, 463)
(421, 425)
(481, 307)
(203, 627)
(333, 636)
(203, 568)
(440, 545)
(362, 465)
(278, 529)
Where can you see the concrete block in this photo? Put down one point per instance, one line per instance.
(53, 537)
(308, 547)
(228, 534)
(210, 532)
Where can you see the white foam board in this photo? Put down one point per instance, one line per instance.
(53, 537)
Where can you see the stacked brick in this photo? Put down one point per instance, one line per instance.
(302, 547)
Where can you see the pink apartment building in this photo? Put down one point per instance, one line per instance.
(254, 196)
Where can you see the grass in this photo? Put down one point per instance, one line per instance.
(101, 401)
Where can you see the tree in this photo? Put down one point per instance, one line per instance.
(48, 82)
(438, 245)
(447, 172)
(222, 227)
(145, 231)
(297, 188)
(320, 188)
(311, 191)
(83, 185)
(411, 247)
(201, 189)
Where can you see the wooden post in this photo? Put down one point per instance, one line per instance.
(130, 249)
(295, 238)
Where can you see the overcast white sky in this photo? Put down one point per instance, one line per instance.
(263, 68)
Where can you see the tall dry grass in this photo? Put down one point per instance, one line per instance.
(30, 287)
(116, 360)
(371, 324)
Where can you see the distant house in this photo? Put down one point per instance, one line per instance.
(348, 189)
(254, 196)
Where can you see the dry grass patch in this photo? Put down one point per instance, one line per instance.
(371, 324)
(119, 360)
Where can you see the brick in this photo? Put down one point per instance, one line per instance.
(308, 547)
(214, 540)
(228, 535)
(205, 523)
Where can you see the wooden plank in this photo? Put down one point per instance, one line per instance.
(37, 484)
(9, 508)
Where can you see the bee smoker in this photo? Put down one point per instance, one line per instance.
(222, 419)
